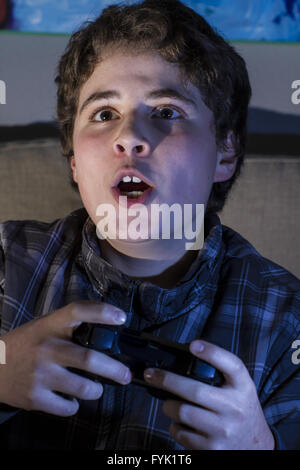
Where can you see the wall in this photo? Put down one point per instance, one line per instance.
(28, 63)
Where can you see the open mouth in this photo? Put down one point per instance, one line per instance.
(131, 184)
(133, 188)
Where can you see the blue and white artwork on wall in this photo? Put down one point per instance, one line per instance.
(250, 20)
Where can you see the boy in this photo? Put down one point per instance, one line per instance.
(147, 91)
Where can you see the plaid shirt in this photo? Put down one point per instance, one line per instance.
(231, 296)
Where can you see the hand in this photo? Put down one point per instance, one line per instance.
(216, 418)
(39, 352)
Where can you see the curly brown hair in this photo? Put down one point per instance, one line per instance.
(179, 35)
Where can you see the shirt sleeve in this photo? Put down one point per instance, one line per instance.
(6, 411)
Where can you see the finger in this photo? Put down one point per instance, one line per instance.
(50, 402)
(98, 363)
(74, 385)
(65, 320)
(188, 439)
(191, 390)
(64, 354)
(201, 420)
(229, 364)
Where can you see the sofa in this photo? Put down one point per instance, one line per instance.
(263, 205)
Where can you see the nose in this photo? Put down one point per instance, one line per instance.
(130, 142)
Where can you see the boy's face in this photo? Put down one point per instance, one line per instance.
(169, 139)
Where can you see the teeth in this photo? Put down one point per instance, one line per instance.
(132, 194)
(128, 179)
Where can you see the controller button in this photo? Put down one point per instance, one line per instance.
(103, 338)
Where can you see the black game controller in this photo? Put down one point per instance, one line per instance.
(140, 350)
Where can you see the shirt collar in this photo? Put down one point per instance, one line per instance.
(114, 285)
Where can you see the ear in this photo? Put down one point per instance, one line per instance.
(226, 159)
(73, 168)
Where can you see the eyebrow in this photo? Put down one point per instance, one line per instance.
(154, 94)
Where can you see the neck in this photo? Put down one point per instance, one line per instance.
(164, 273)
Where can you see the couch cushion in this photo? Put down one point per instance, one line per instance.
(35, 181)
(264, 207)
(263, 204)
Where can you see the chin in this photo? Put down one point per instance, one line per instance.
(159, 250)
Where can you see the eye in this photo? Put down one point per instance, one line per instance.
(103, 115)
(168, 113)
